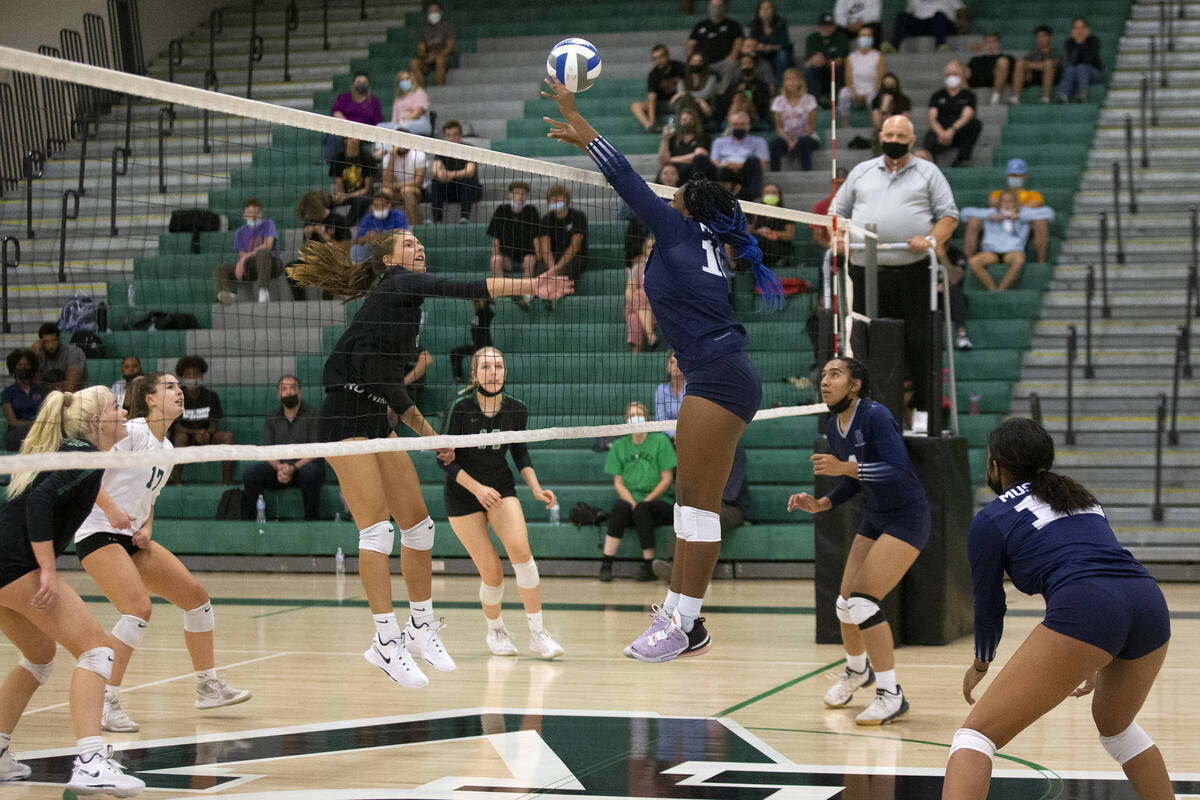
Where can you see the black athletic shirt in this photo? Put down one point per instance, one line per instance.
(382, 337)
(486, 464)
(52, 507)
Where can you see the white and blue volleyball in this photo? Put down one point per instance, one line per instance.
(575, 63)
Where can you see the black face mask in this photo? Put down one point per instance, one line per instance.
(696, 68)
(894, 150)
(840, 405)
(993, 480)
(23, 374)
(740, 133)
(486, 393)
(129, 378)
(290, 401)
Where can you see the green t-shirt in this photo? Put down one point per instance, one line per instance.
(641, 465)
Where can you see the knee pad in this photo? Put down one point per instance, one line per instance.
(526, 574)
(678, 521)
(98, 660)
(967, 739)
(130, 630)
(40, 671)
(199, 620)
(843, 611)
(700, 526)
(864, 611)
(1128, 743)
(419, 536)
(491, 595)
(378, 538)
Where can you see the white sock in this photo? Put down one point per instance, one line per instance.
(886, 680)
(5, 740)
(386, 628)
(671, 603)
(689, 610)
(112, 693)
(857, 663)
(89, 746)
(203, 675)
(422, 611)
(535, 621)
(494, 624)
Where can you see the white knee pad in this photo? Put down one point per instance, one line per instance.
(700, 526)
(199, 620)
(378, 538)
(98, 660)
(130, 630)
(864, 611)
(678, 514)
(419, 536)
(1128, 743)
(40, 671)
(527, 574)
(491, 595)
(967, 739)
(843, 611)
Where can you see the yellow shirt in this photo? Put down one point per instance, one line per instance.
(1028, 197)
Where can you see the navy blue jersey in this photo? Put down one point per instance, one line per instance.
(885, 474)
(1041, 550)
(686, 280)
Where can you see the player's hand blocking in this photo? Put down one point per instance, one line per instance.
(551, 287)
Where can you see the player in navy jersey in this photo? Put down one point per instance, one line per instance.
(687, 283)
(869, 456)
(480, 491)
(1106, 626)
(363, 377)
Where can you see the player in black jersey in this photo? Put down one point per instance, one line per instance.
(363, 377)
(480, 491)
(37, 608)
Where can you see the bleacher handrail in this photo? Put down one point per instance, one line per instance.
(1072, 351)
(1089, 370)
(1156, 512)
(7, 261)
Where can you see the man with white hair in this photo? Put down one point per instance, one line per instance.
(952, 119)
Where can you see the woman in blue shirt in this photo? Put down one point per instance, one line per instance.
(1106, 626)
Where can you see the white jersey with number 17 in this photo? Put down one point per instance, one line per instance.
(134, 490)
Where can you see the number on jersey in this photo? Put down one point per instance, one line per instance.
(714, 261)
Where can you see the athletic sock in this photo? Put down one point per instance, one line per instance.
(494, 624)
(203, 675)
(886, 680)
(112, 693)
(857, 663)
(671, 603)
(89, 746)
(421, 611)
(5, 741)
(535, 621)
(386, 628)
(689, 610)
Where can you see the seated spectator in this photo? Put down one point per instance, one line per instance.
(825, 46)
(668, 396)
(669, 175)
(1005, 233)
(1081, 67)
(1039, 228)
(1043, 62)
(481, 337)
(561, 243)
(772, 43)
(61, 367)
(795, 113)
(854, 15)
(22, 398)
(643, 467)
(292, 422)
(678, 147)
(865, 68)
(952, 120)
(936, 18)
(699, 91)
(256, 242)
(410, 109)
(355, 172)
(662, 88)
(201, 412)
(731, 72)
(718, 38)
(131, 367)
(382, 219)
(454, 179)
(731, 181)
(749, 93)
(513, 227)
(890, 101)
(746, 156)
(435, 45)
(821, 235)
(991, 69)
(321, 223)
(414, 374)
(404, 178)
(774, 235)
(356, 105)
(735, 497)
(639, 319)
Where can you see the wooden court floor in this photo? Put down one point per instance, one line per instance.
(742, 721)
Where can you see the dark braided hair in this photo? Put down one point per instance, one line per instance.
(1024, 450)
(710, 203)
(858, 372)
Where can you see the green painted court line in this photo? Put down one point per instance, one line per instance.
(779, 688)
(280, 611)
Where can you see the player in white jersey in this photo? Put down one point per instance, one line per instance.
(114, 545)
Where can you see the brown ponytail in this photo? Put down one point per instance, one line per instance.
(139, 387)
(327, 266)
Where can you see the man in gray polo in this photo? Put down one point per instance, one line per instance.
(292, 422)
(910, 201)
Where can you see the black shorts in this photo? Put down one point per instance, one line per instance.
(516, 256)
(100, 539)
(16, 560)
(352, 413)
(461, 503)
(1125, 617)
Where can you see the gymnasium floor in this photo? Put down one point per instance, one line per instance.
(743, 721)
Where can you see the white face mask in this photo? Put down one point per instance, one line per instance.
(253, 223)
(865, 42)
(517, 205)
(636, 419)
(953, 81)
(379, 214)
(557, 205)
(1015, 181)
(435, 17)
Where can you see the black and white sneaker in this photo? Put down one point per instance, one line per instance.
(887, 707)
(842, 691)
(698, 640)
(100, 774)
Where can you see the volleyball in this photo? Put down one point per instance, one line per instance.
(575, 63)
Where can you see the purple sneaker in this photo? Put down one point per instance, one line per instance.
(658, 620)
(662, 645)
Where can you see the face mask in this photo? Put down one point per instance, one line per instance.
(379, 214)
(715, 14)
(556, 206)
(404, 85)
(290, 401)
(636, 419)
(23, 374)
(696, 67)
(865, 42)
(953, 81)
(771, 199)
(486, 393)
(894, 150)
(766, 16)
(840, 405)
(740, 133)
(128, 378)
(1016, 181)
(993, 481)
(747, 72)
(253, 223)
(517, 205)
(434, 17)
(191, 383)
(362, 88)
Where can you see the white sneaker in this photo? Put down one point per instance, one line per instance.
(842, 691)
(886, 708)
(995, 98)
(962, 341)
(395, 662)
(214, 693)
(264, 296)
(114, 719)
(423, 640)
(541, 643)
(101, 775)
(500, 642)
(1014, 99)
(226, 298)
(11, 769)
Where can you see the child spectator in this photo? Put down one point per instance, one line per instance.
(795, 112)
(865, 68)
(22, 398)
(1016, 173)
(1005, 232)
(639, 319)
(201, 411)
(257, 244)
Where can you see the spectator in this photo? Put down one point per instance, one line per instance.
(662, 88)
(321, 222)
(700, 89)
(22, 398)
(410, 109)
(1081, 63)
(668, 175)
(890, 101)
(748, 93)
(744, 155)
(257, 244)
(854, 15)
(131, 367)
(795, 113)
(354, 171)
(513, 227)
(772, 44)
(952, 120)
(1039, 227)
(717, 38)
(639, 319)
(821, 234)
(774, 234)
(481, 337)
(668, 396)
(1043, 59)
(735, 497)
(201, 411)
(435, 45)
(865, 68)
(382, 219)
(561, 244)
(825, 46)
(454, 179)
(61, 367)
(642, 466)
(936, 18)
(993, 68)
(292, 422)
(356, 105)
(414, 374)
(680, 146)
(404, 178)
(1005, 233)
(730, 72)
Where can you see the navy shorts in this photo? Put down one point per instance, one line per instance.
(731, 382)
(1125, 617)
(906, 524)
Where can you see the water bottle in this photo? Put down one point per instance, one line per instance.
(669, 128)
(260, 513)
(129, 295)
(339, 563)
(973, 403)
(554, 519)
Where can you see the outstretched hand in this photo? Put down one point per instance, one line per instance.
(561, 95)
(552, 287)
(564, 131)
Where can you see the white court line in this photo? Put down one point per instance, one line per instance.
(169, 680)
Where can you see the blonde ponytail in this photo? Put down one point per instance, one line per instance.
(62, 415)
(327, 266)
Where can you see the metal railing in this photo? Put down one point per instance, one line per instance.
(1035, 407)
(1089, 371)
(1143, 92)
(68, 213)
(121, 153)
(210, 84)
(1105, 307)
(325, 24)
(1072, 353)
(33, 166)
(166, 127)
(1116, 176)
(1192, 303)
(1156, 512)
(1133, 204)
(256, 47)
(1152, 83)
(1181, 348)
(216, 26)
(7, 261)
(291, 22)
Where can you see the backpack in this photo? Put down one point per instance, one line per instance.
(230, 504)
(194, 221)
(78, 314)
(586, 514)
(91, 344)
